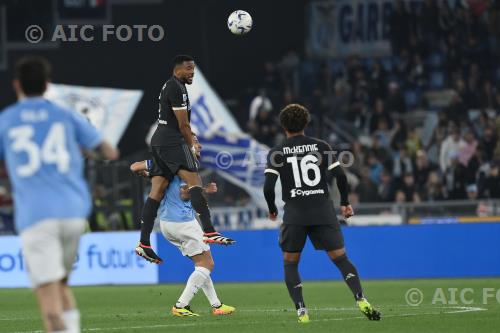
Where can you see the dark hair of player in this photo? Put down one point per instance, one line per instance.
(180, 59)
(33, 73)
(294, 118)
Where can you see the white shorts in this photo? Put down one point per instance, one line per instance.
(50, 248)
(187, 236)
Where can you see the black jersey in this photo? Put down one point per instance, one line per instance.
(173, 97)
(301, 162)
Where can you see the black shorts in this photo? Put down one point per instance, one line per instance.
(168, 160)
(326, 237)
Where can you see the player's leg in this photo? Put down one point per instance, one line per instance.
(351, 277)
(158, 186)
(71, 314)
(50, 303)
(218, 308)
(43, 252)
(292, 241)
(200, 205)
(329, 238)
(70, 237)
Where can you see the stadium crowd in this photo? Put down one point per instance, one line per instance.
(451, 53)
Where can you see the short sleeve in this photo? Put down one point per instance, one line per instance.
(274, 162)
(331, 157)
(87, 135)
(177, 97)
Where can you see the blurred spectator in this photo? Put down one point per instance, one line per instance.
(413, 142)
(260, 103)
(409, 188)
(468, 149)
(455, 179)
(402, 163)
(423, 167)
(399, 134)
(366, 189)
(379, 114)
(265, 128)
(488, 142)
(492, 189)
(395, 100)
(434, 188)
(450, 149)
(386, 188)
(418, 74)
(378, 79)
(338, 103)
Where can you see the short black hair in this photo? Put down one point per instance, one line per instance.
(33, 73)
(294, 118)
(179, 59)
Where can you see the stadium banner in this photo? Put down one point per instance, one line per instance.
(379, 252)
(108, 109)
(380, 219)
(241, 218)
(103, 258)
(338, 28)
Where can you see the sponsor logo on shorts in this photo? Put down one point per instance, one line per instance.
(301, 193)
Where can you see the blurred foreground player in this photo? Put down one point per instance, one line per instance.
(41, 144)
(180, 227)
(172, 149)
(303, 165)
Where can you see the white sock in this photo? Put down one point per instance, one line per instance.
(209, 290)
(71, 319)
(194, 283)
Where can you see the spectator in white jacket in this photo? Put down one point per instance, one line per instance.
(451, 146)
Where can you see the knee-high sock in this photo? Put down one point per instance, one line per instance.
(209, 290)
(200, 205)
(293, 283)
(71, 319)
(148, 219)
(350, 275)
(196, 280)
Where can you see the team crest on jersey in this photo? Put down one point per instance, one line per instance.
(184, 97)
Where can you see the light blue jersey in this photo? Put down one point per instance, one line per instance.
(41, 145)
(172, 207)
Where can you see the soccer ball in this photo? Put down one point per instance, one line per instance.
(239, 22)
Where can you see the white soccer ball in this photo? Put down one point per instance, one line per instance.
(239, 22)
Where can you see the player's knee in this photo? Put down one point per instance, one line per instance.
(337, 254)
(210, 265)
(158, 188)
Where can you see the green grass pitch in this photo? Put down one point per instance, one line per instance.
(265, 307)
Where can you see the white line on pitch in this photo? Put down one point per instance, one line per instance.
(456, 309)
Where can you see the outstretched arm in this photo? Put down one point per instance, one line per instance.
(269, 185)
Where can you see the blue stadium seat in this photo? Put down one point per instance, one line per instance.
(436, 80)
(412, 97)
(387, 63)
(337, 66)
(435, 60)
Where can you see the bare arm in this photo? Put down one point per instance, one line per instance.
(104, 151)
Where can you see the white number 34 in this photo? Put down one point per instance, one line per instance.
(53, 150)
